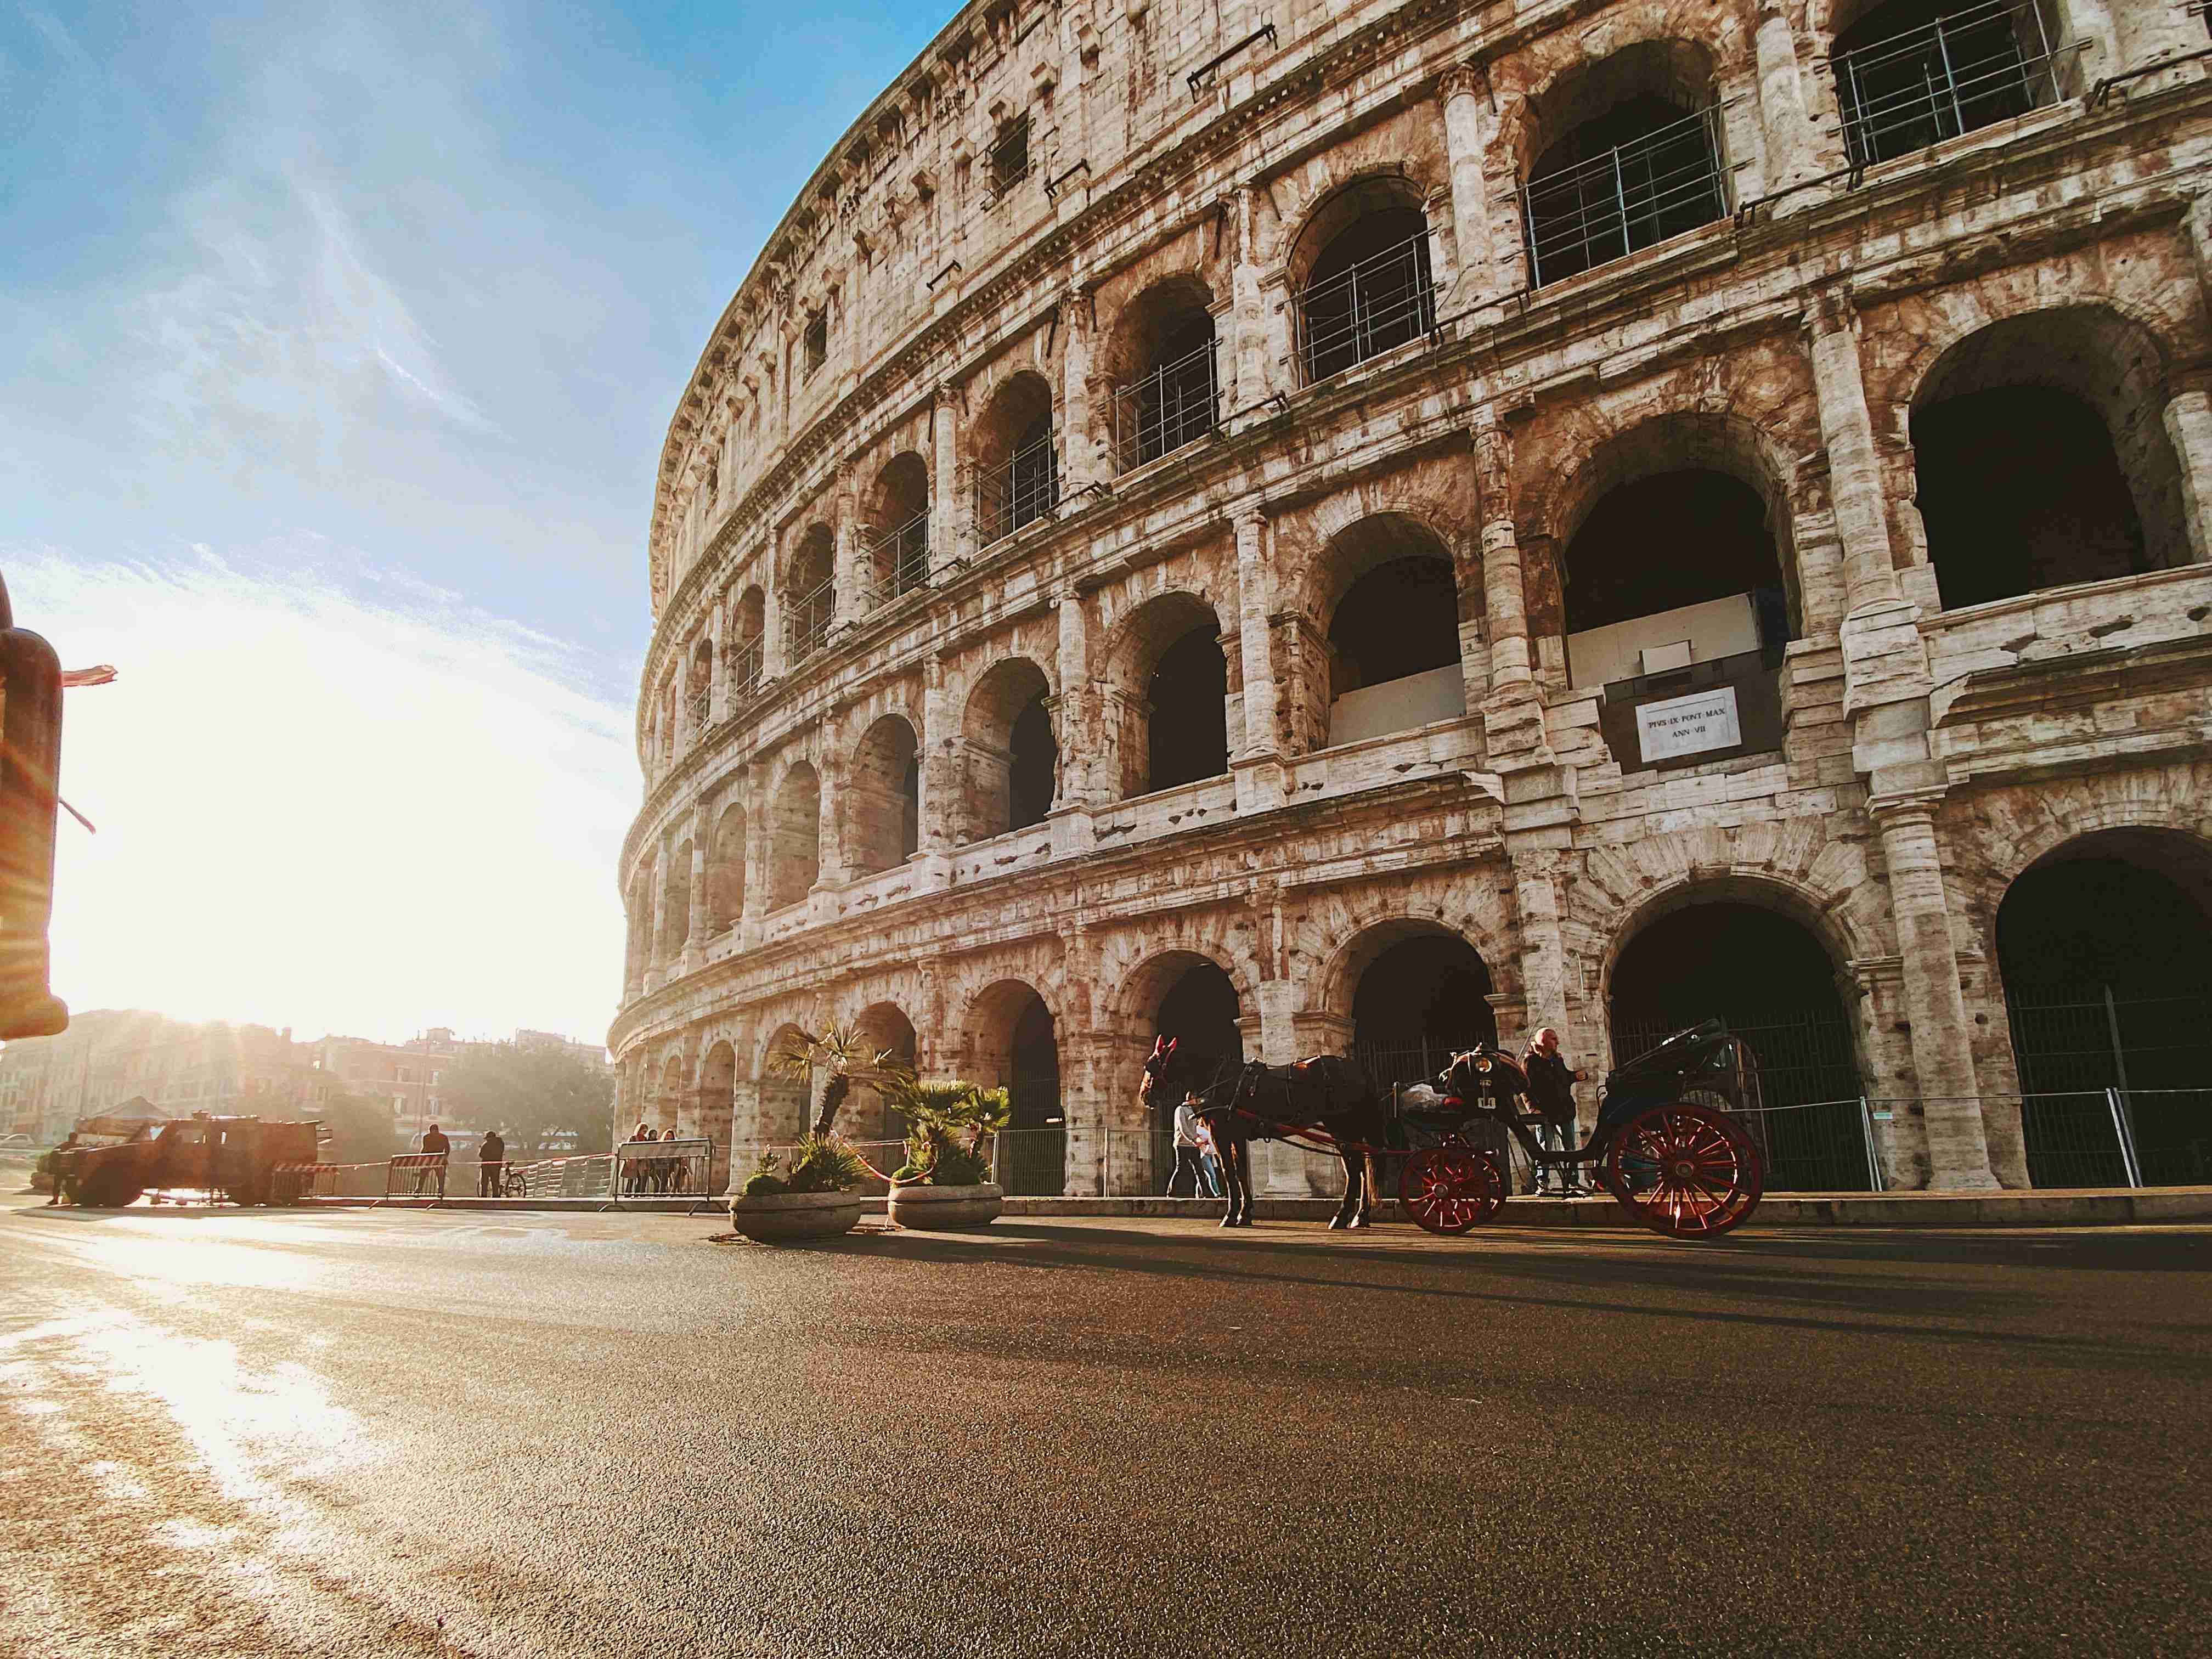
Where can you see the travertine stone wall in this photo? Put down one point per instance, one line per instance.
(1927, 756)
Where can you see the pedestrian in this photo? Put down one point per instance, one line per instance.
(633, 1168)
(671, 1166)
(54, 1163)
(1551, 1091)
(1186, 1149)
(436, 1149)
(1209, 1160)
(491, 1165)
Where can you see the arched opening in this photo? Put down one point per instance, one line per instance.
(641, 940)
(1911, 73)
(795, 847)
(726, 868)
(1773, 983)
(786, 1102)
(810, 595)
(884, 798)
(873, 1116)
(2022, 484)
(898, 520)
(1362, 277)
(668, 1104)
(718, 1075)
(746, 654)
(699, 687)
(1175, 731)
(1017, 464)
(2105, 950)
(1017, 1047)
(1161, 362)
(1198, 1012)
(1394, 661)
(1637, 160)
(1422, 995)
(1012, 758)
(676, 904)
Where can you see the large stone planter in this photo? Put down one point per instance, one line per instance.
(925, 1208)
(790, 1217)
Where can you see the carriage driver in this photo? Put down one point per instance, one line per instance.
(1551, 1089)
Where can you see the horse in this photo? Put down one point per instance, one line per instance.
(1328, 1092)
(1172, 1071)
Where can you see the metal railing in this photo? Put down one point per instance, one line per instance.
(1375, 306)
(806, 621)
(1178, 403)
(698, 706)
(901, 557)
(1019, 490)
(1628, 199)
(1968, 68)
(744, 665)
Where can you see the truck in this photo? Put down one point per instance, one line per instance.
(245, 1159)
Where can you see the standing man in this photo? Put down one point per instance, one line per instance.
(436, 1149)
(1552, 1089)
(54, 1163)
(491, 1165)
(1185, 1150)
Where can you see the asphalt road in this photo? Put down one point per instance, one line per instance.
(373, 1433)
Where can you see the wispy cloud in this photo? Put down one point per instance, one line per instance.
(325, 813)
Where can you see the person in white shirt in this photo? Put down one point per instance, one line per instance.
(1185, 1150)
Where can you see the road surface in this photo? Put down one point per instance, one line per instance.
(369, 1432)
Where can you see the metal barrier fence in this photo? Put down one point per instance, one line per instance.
(1372, 306)
(1968, 68)
(902, 561)
(1176, 403)
(665, 1169)
(413, 1174)
(806, 622)
(1628, 198)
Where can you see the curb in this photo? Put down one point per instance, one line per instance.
(2090, 1207)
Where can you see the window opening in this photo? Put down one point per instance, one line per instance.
(1904, 84)
(815, 343)
(1188, 731)
(1025, 487)
(1631, 178)
(1369, 292)
(1176, 402)
(1010, 156)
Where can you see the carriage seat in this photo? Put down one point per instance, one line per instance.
(1426, 1106)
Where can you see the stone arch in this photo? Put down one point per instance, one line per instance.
(1619, 151)
(883, 796)
(1716, 470)
(1360, 272)
(1012, 754)
(1160, 359)
(1357, 928)
(785, 1103)
(898, 524)
(718, 1077)
(668, 1099)
(810, 593)
(1885, 64)
(726, 868)
(744, 655)
(1415, 991)
(1012, 1039)
(794, 829)
(1170, 686)
(872, 1117)
(676, 902)
(1015, 448)
(2086, 485)
(1386, 597)
(1136, 999)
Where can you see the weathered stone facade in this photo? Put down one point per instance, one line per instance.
(872, 588)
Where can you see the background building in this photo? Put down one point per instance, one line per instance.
(111, 1054)
(1379, 525)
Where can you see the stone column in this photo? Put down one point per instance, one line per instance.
(1793, 152)
(939, 829)
(1251, 322)
(718, 679)
(1078, 462)
(850, 556)
(945, 513)
(760, 833)
(1504, 593)
(700, 922)
(2146, 31)
(830, 816)
(772, 616)
(1257, 766)
(1943, 1058)
(1847, 432)
(2189, 428)
(1465, 90)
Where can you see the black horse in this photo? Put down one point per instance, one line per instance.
(1328, 1092)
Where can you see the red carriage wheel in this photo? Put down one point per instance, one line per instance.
(1450, 1189)
(1688, 1171)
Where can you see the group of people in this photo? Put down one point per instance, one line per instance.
(430, 1162)
(1197, 1172)
(656, 1174)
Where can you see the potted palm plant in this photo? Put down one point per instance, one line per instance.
(945, 1182)
(807, 1193)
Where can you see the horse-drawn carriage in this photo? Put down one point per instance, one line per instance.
(1666, 1146)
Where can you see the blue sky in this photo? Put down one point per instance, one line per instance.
(339, 342)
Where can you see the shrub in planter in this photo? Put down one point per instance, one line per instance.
(806, 1194)
(946, 1179)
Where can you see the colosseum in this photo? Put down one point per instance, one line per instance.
(1358, 528)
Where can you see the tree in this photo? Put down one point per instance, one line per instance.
(848, 1057)
(542, 1100)
(361, 1128)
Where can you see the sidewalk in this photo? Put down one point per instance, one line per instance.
(2087, 1207)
